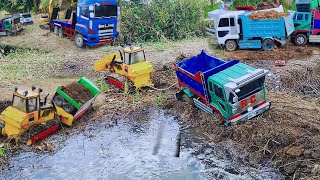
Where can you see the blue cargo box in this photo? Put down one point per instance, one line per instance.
(193, 73)
(266, 28)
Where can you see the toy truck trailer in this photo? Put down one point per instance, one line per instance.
(10, 25)
(234, 90)
(94, 23)
(234, 29)
(306, 5)
(307, 27)
(69, 109)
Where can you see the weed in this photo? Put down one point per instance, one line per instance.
(159, 99)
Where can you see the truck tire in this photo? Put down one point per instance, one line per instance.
(78, 39)
(58, 100)
(268, 44)
(301, 40)
(231, 45)
(61, 32)
(68, 108)
(188, 100)
(56, 30)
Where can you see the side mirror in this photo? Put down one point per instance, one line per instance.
(91, 8)
(91, 15)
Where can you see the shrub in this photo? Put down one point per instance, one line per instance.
(162, 20)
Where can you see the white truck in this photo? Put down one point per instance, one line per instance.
(234, 30)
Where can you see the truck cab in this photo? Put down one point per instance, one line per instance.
(97, 22)
(226, 25)
(11, 25)
(25, 19)
(306, 5)
(307, 27)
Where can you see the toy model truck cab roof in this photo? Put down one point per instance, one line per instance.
(96, 2)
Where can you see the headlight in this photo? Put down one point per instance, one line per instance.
(234, 110)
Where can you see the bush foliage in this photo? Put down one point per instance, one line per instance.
(162, 19)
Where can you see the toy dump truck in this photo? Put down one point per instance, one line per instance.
(29, 118)
(234, 90)
(306, 5)
(307, 27)
(235, 30)
(10, 25)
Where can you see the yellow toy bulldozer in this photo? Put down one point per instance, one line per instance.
(128, 70)
(30, 119)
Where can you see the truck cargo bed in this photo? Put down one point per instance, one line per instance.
(194, 72)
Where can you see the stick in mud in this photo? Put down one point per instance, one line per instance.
(178, 145)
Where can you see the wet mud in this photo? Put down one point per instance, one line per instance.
(126, 151)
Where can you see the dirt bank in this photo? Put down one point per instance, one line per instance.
(291, 52)
(77, 92)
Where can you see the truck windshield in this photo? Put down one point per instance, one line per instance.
(249, 89)
(106, 11)
(16, 20)
(26, 15)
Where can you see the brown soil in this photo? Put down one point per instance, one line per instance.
(267, 15)
(77, 92)
(303, 80)
(266, 5)
(286, 53)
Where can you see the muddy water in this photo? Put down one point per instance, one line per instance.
(143, 147)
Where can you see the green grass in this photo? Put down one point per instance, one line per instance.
(28, 64)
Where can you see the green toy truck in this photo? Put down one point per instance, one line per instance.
(10, 25)
(234, 90)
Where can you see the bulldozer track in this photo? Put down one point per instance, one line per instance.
(35, 130)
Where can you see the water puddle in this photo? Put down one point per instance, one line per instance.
(143, 147)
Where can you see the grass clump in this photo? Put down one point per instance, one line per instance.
(25, 64)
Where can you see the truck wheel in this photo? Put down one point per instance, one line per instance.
(61, 32)
(58, 100)
(188, 99)
(231, 45)
(268, 44)
(78, 39)
(68, 108)
(300, 40)
(56, 30)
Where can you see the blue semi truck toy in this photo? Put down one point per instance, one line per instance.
(235, 30)
(93, 23)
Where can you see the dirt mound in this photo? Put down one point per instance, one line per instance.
(287, 53)
(303, 80)
(266, 5)
(267, 15)
(77, 92)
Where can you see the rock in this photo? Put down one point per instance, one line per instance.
(290, 168)
(255, 158)
(295, 151)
